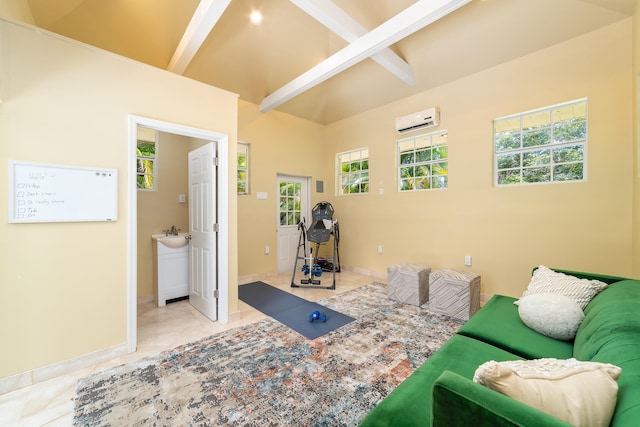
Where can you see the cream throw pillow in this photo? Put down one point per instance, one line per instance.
(545, 280)
(580, 393)
(553, 315)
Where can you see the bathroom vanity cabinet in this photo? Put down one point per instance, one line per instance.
(170, 272)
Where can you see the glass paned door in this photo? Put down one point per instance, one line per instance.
(290, 203)
(293, 207)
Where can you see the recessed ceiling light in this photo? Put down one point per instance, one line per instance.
(256, 17)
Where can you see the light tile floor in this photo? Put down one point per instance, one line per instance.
(50, 403)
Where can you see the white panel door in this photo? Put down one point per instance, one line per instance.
(202, 220)
(293, 205)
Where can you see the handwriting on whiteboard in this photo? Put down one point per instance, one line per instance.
(30, 196)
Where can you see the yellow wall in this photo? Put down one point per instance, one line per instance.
(279, 143)
(581, 226)
(63, 286)
(636, 139)
(16, 9)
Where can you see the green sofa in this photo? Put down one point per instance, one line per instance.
(441, 391)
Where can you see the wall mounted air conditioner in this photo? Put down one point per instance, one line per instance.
(423, 119)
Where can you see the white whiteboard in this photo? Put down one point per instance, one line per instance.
(41, 192)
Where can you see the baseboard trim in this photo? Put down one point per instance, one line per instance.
(235, 316)
(484, 298)
(38, 375)
(382, 277)
(243, 280)
(146, 299)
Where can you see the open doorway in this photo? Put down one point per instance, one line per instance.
(220, 192)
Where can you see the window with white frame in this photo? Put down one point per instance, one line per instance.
(545, 145)
(423, 162)
(353, 171)
(146, 156)
(290, 202)
(243, 168)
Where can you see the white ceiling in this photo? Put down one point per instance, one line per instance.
(223, 49)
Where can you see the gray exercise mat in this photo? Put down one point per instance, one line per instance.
(291, 310)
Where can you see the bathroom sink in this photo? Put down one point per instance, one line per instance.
(173, 241)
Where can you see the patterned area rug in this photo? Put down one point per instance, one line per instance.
(264, 373)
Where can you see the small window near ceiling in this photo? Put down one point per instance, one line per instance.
(243, 168)
(353, 171)
(541, 146)
(147, 155)
(423, 162)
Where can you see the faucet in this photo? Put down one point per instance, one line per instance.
(173, 231)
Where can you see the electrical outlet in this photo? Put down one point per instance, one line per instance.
(379, 249)
(467, 260)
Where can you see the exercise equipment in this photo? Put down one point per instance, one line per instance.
(323, 227)
(316, 315)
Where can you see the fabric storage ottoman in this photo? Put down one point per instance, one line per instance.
(454, 293)
(409, 283)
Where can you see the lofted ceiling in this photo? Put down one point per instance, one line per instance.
(291, 46)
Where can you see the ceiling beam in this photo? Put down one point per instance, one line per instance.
(202, 22)
(407, 22)
(331, 16)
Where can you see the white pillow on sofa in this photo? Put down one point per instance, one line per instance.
(580, 393)
(555, 316)
(544, 280)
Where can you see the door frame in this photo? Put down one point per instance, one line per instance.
(222, 237)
